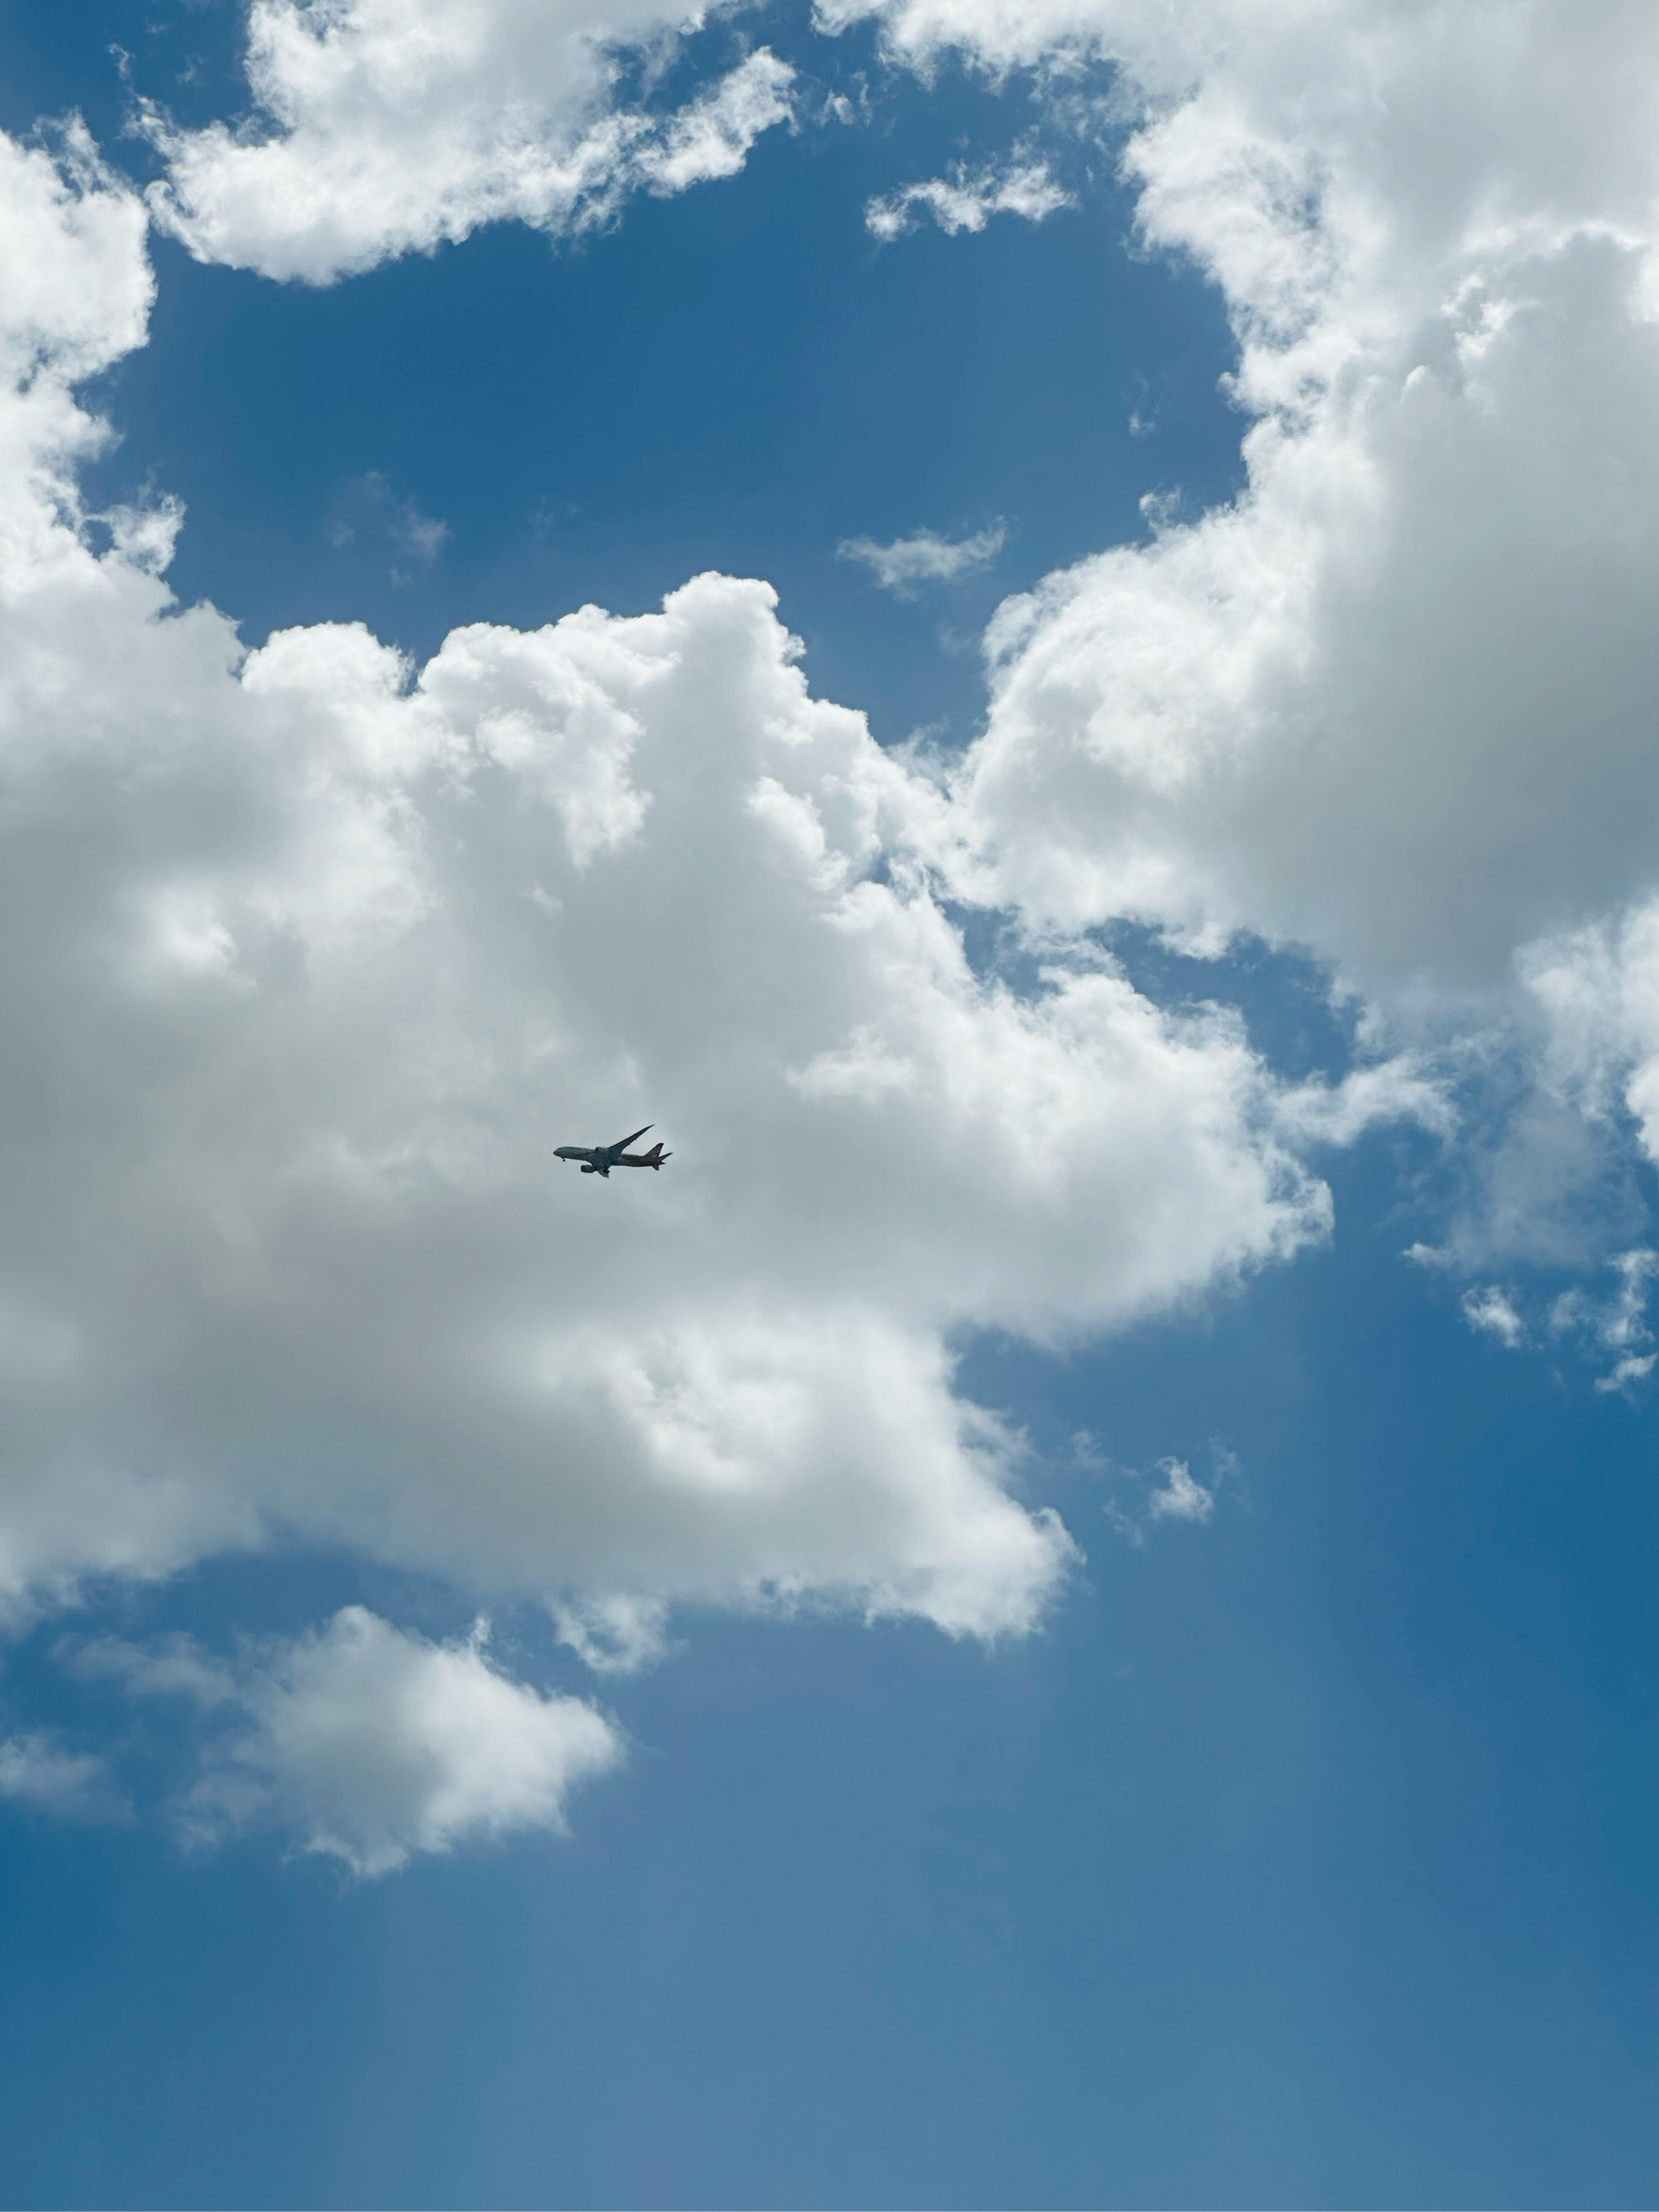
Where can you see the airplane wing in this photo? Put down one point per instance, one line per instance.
(623, 1143)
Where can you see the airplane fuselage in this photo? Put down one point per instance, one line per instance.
(599, 1159)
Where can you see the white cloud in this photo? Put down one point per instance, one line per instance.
(1491, 1311)
(369, 509)
(37, 1772)
(1179, 1498)
(1139, 1503)
(711, 136)
(78, 288)
(967, 199)
(1371, 1095)
(1598, 990)
(1618, 1324)
(316, 956)
(1634, 1367)
(368, 1744)
(146, 534)
(1397, 702)
(173, 1667)
(614, 1633)
(373, 1745)
(923, 558)
(391, 126)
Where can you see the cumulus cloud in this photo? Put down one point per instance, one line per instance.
(967, 199)
(384, 127)
(145, 533)
(368, 1744)
(1396, 701)
(375, 1745)
(923, 558)
(1598, 990)
(311, 956)
(78, 289)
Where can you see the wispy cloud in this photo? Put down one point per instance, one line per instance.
(614, 1635)
(1179, 1496)
(1168, 1490)
(1619, 1324)
(1491, 1311)
(924, 558)
(36, 1772)
(173, 1666)
(368, 509)
(1384, 1091)
(967, 200)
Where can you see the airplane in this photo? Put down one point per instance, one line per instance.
(599, 1159)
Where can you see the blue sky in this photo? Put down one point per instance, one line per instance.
(602, 420)
(1060, 1611)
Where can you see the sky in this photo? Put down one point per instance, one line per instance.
(1029, 630)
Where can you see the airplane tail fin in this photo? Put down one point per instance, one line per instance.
(656, 1156)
